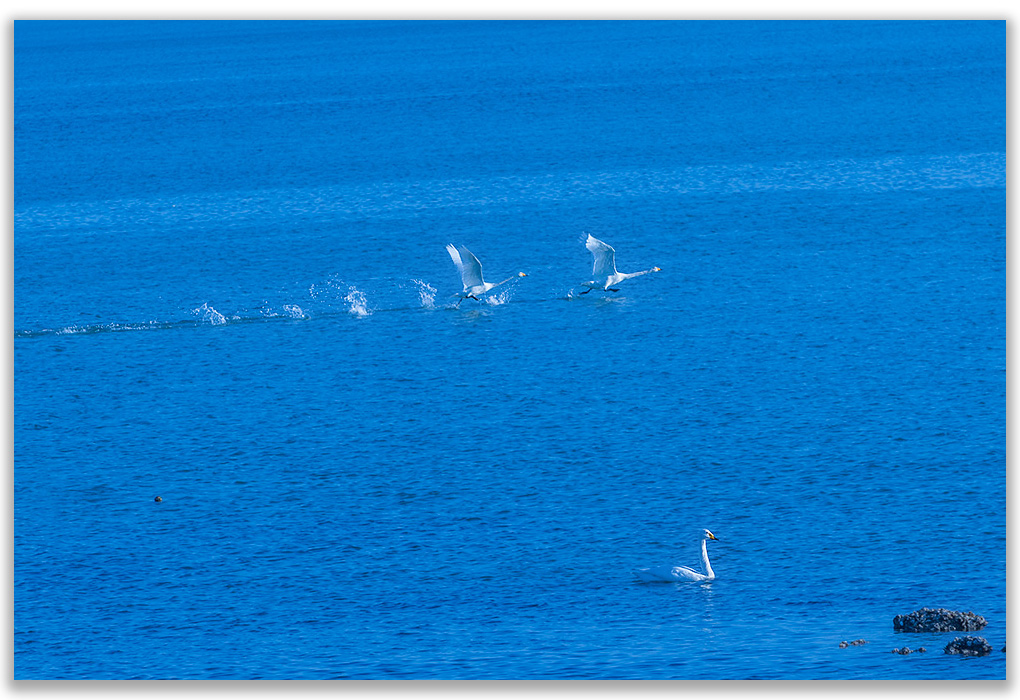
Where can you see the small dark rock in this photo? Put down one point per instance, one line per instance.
(921, 650)
(969, 646)
(938, 620)
(159, 499)
(904, 651)
(854, 643)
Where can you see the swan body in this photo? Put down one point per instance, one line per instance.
(604, 274)
(682, 573)
(471, 273)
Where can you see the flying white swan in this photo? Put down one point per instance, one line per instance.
(471, 273)
(604, 274)
(682, 573)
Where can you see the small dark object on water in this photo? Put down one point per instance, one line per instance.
(921, 650)
(159, 499)
(969, 646)
(904, 651)
(855, 643)
(938, 620)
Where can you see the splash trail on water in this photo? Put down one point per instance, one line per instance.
(208, 314)
(426, 293)
(358, 302)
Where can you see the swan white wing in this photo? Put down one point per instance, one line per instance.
(655, 573)
(605, 257)
(669, 573)
(685, 573)
(468, 265)
(454, 255)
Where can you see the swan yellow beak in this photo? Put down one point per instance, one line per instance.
(712, 537)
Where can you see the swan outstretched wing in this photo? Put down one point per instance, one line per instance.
(468, 265)
(605, 257)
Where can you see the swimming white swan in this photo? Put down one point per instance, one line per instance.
(682, 573)
(604, 274)
(471, 273)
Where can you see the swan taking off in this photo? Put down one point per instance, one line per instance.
(682, 573)
(604, 274)
(471, 273)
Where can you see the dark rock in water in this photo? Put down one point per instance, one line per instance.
(938, 620)
(969, 646)
(855, 643)
(904, 651)
(921, 650)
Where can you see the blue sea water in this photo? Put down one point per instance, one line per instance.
(231, 291)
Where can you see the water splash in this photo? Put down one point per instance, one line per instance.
(329, 292)
(358, 302)
(208, 314)
(337, 295)
(71, 330)
(286, 311)
(502, 297)
(426, 294)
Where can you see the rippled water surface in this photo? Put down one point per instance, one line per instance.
(231, 291)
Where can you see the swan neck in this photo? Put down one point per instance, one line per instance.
(629, 275)
(704, 559)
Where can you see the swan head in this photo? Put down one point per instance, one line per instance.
(522, 274)
(710, 536)
(659, 269)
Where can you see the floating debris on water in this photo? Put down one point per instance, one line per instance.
(854, 643)
(938, 620)
(969, 646)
